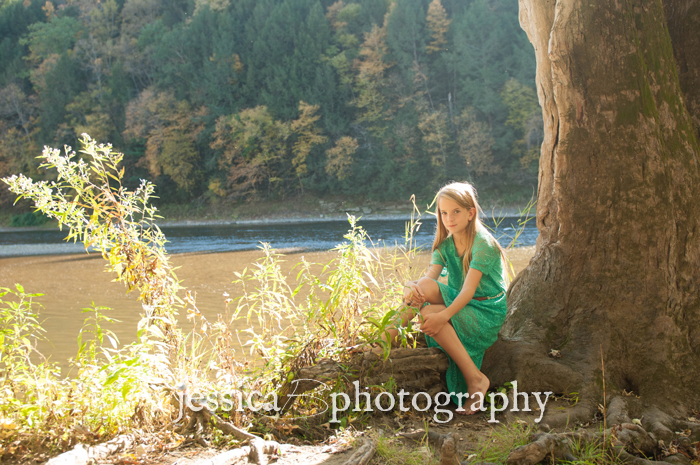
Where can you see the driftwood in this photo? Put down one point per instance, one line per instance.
(413, 370)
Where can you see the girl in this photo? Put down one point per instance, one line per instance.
(464, 316)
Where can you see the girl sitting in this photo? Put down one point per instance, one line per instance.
(464, 316)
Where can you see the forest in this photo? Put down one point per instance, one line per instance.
(221, 100)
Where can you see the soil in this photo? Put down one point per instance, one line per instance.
(469, 432)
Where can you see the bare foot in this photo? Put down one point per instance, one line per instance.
(479, 387)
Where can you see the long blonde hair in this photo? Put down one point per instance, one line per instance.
(464, 194)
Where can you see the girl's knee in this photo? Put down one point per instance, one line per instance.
(430, 289)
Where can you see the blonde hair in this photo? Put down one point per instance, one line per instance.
(464, 194)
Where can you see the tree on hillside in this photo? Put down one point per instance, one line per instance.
(615, 276)
(254, 150)
(170, 129)
(438, 25)
(308, 135)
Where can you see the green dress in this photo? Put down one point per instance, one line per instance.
(478, 323)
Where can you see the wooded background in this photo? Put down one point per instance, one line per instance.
(259, 99)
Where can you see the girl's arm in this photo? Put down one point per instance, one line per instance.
(466, 294)
(434, 271)
(433, 323)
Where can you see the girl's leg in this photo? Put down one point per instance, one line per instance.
(449, 341)
(432, 294)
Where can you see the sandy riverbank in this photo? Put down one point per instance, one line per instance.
(72, 282)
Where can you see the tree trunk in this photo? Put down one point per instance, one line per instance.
(615, 276)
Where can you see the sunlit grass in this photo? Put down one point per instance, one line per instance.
(500, 441)
(392, 451)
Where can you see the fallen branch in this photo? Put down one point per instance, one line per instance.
(226, 427)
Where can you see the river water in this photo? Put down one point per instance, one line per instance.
(207, 257)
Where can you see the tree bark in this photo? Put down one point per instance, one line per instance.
(615, 276)
(683, 20)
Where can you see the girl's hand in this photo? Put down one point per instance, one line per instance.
(433, 323)
(413, 297)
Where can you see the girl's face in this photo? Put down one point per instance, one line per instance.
(454, 216)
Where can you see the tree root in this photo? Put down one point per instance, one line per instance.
(230, 457)
(445, 443)
(412, 369)
(556, 446)
(256, 452)
(363, 454)
(226, 427)
(633, 441)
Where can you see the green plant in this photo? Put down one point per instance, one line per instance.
(502, 439)
(392, 451)
(352, 301)
(19, 331)
(114, 386)
(93, 325)
(592, 453)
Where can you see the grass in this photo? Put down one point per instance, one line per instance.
(393, 451)
(501, 440)
(591, 454)
(498, 444)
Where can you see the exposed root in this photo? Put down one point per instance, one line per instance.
(617, 411)
(306, 379)
(555, 446)
(581, 413)
(411, 369)
(448, 451)
(226, 427)
(509, 359)
(445, 443)
(363, 454)
(639, 442)
(256, 452)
